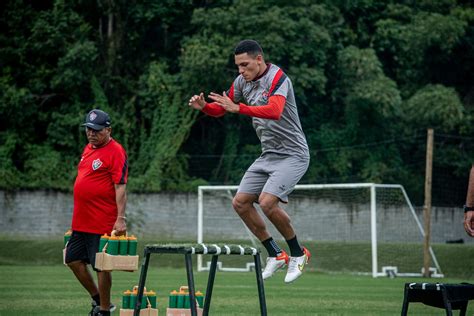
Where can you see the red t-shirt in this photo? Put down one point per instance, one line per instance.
(95, 208)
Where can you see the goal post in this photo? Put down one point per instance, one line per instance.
(377, 215)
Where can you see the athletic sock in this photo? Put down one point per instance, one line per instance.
(96, 299)
(295, 248)
(272, 248)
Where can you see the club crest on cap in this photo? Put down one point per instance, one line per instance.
(96, 164)
(92, 116)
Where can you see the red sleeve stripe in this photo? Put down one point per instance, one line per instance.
(213, 109)
(278, 80)
(272, 110)
(230, 92)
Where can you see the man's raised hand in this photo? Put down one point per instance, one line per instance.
(197, 101)
(224, 101)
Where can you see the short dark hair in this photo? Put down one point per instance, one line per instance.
(250, 47)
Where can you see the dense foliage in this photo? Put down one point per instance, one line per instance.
(370, 77)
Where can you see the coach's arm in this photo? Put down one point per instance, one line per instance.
(121, 199)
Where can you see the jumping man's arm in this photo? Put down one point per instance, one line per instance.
(272, 110)
(213, 109)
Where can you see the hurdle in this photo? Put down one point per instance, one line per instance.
(447, 296)
(196, 249)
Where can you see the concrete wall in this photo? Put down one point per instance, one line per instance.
(49, 213)
(174, 216)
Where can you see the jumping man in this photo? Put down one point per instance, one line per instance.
(264, 92)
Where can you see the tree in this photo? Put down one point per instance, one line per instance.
(369, 77)
(295, 37)
(169, 126)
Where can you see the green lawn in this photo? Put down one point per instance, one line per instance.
(52, 290)
(34, 282)
(454, 259)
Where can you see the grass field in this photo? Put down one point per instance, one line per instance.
(456, 260)
(52, 290)
(33, 282)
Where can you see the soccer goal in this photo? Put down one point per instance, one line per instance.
(361, 227)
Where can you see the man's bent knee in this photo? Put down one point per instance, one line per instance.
(243, 202)
(239, 205)
(268, 203)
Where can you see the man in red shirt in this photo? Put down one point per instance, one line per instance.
(99, 207)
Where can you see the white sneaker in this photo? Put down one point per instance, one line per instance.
(296, 266)
(275, 263)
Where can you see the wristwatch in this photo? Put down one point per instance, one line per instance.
(468, 208)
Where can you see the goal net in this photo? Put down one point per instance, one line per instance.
(361, 227)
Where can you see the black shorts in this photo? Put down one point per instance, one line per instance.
(83, 247)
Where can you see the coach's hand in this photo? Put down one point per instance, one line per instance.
(120, 226)
(224, 101)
